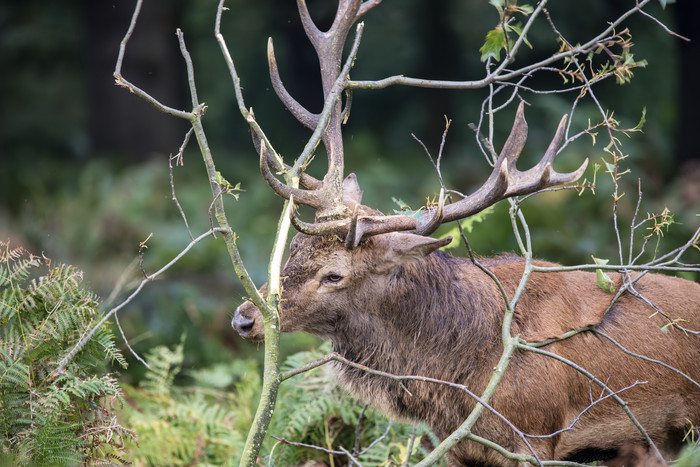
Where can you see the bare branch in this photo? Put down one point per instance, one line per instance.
(179, 159)
(126, 341)
(121, 81)
(645, 358)
(663, 26)
(64, 361)
(497, 77)
(604, 387)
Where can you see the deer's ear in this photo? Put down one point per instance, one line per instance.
(404, 247)
(351, 190)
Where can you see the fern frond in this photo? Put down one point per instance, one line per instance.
(165, 365)
(55, 443)
(104, 338)
(47, 420)
(15, 264)
(13, 372)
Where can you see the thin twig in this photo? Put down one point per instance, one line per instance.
(311, 446)
(64, 361)
(634, 219)
(645, 358)
(126, 341)
(179, 160)
(411, 442)
(374, 443)
(350, 456)
(603, 386)
(663, 26)
(358, 428)
(121, 81)
(600, 399)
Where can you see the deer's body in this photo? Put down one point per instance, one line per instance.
(388, 300)
(395, 305)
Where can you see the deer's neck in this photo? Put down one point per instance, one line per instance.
(433, 320)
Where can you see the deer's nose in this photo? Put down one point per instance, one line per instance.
(242, 325)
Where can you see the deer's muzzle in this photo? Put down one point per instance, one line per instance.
(247, 322)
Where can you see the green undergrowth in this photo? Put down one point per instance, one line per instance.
(205, 422)
(202, 423)
(49, 417)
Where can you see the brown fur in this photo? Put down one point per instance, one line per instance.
(404, 308)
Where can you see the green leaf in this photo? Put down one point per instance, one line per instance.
(499, 4)
(642, 120)
(221, 180)
(518, 29)
(604, 281)
(226, 186)
(404, 208)
(495, 41)
(526, 9)
(610, 167)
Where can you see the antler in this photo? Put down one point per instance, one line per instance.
(336, 214)
(504, 182)
(326, 196)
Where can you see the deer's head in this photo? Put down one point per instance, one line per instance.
(333, 259)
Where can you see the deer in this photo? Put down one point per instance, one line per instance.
(380, 288)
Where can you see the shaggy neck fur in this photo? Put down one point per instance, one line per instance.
(445, 333)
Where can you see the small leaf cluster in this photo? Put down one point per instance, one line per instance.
(47, 418)
(612, 56)
(226, 187)
(499, 38)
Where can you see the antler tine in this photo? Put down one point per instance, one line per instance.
(505, 181)
(428, 227)
(310, 28)
(311, 198)
(516, 139)
(326, 228)
(543, 174)
(329, 44)
(545, 165)
(307, 118)
(305, 179)
(351, 239)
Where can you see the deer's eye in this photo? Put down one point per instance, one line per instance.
(332, 278)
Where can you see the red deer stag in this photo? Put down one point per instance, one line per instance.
(389, 299)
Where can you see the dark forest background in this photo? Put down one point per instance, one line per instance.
(83, 164)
